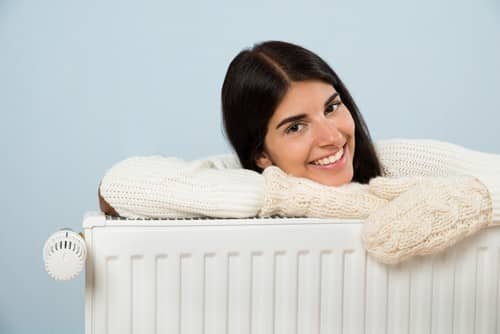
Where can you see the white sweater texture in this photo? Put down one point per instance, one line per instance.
(167, 187)
(431, 195)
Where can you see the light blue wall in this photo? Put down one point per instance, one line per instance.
(84, 84)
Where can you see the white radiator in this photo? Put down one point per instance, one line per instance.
(281, 275)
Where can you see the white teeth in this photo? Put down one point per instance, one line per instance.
(331, 159)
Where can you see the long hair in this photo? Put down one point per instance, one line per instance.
(257, 80)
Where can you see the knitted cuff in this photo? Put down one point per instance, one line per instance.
(279, 195)
(492, 183)
(295, 196)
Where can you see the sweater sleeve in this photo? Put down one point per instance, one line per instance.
(162, 187)
(426, 157)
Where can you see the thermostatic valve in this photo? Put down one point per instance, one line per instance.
(64, 254)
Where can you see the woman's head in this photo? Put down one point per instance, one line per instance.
(283, 105)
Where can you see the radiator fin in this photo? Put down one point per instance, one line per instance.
(486, 290)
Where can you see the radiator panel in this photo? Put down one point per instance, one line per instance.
(280, 276)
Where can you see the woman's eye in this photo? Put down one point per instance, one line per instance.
(332, 107)
(296, 127)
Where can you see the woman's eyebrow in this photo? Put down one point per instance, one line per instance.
(331, 98)
(291, 119)
(301, 116)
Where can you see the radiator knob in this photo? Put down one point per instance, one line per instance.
(64, 254)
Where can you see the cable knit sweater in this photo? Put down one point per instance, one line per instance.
(403, 209)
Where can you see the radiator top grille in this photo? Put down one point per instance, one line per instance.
(119, 218)
(96, 219)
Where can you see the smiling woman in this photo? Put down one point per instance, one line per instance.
(285, 106)
(306, 151)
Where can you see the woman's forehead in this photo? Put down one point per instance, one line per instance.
(304, 96)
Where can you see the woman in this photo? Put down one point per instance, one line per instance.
(306, 151)
(293, 99)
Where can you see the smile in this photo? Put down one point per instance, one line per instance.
(335, 161)
(330, 159)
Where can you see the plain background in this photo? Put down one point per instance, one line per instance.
(84, 84)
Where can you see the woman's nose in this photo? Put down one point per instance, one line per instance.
(328, 134)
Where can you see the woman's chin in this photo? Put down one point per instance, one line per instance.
(337, 173)
(330, 177)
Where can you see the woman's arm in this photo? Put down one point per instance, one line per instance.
(426, 157)
(166, 187)
(224, 161)
(163, 187)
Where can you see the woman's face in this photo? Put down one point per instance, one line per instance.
(311, 135)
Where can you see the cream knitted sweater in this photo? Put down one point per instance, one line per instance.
(414, 171)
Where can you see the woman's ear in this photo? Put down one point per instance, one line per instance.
(263, 160)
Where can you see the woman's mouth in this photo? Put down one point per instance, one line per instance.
(336, 160)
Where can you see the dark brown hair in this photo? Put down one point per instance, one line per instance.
(257, 80)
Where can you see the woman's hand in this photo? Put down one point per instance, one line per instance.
(425, 215)
(105, 207)
(293, 196)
